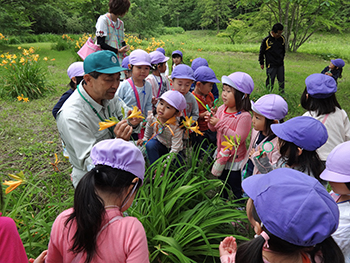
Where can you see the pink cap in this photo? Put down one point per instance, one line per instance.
(175, 99)
(240, 81)
(158, 57)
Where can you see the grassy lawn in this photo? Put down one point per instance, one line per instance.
(30, 137)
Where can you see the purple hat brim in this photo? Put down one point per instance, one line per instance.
(336, 177)
(142, 63)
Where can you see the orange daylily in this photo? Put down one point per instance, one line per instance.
(188, 122)
(136, 113)
(108, 123)
(196, 129)
(12, 185)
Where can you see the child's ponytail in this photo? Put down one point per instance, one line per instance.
(251, 251)
(88, 213)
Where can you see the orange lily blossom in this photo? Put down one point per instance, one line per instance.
(136, 113)
(231, 142)
(12, 185)
(55, 168)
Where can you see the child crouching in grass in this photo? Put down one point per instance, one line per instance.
(163, 134)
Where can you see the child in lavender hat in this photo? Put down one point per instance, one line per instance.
(95, 230)
(182, 78)
(267, 110)
(319, 99)
(293, 217)
(298, 140)
(335, 68)
(163, 134)
(137, 91)
(337, 173)
(159, 83)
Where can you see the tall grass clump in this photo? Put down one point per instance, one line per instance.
(34, 206)
(183, 219)
(24, 75)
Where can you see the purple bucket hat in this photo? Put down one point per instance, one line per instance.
(182, 71)
(240, 81)
(320, 86)
(338, 62)
(175, 99)
(125, 62)
(120, 154)
(177, 52)
(139, 57)
(158, 57)
(199, 62)
(337, 164)
(75, 69)
(304, 131)
(293, 206)
(162, 50)
(271, 106)
(205, 74)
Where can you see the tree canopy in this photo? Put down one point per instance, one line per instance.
(301, 18)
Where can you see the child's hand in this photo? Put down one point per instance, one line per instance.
(213, 121)
(202, 115)
(154, 100)
(207, 116)
(329, 74)
(40, 258)
(139, 142)
(228, 246)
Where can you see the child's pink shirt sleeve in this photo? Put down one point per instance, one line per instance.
(243, 127)
(11, 247)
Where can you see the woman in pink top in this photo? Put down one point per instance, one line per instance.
(293, 217)
(94, 230)
(232, 119)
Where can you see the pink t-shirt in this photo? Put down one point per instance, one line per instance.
(11, 247)
(232, 124)
(122, 241)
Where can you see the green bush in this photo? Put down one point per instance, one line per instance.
(182, 213)
(24, 75)
(62, 44)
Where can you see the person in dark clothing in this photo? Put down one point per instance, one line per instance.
(272, 50)
(335, 69)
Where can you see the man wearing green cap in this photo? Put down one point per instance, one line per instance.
(92, 102)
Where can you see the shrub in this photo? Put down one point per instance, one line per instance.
(172, 30)
(183, 219)
(24, 75)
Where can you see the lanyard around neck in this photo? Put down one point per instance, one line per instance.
(159, 83)
(131, 81)
(94, 110)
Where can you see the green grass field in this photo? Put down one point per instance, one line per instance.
(30, 138)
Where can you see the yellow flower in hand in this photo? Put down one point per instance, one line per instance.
(187, 123)
(136, 113)
(12, 185)
(196, 129)
(55, 168)
(231, 142)
(108, 123)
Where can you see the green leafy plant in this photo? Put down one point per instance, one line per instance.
(183, 220)
(24, 75)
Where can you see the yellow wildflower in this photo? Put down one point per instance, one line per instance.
(8, 56)
(187, 122)
(53, 59)
(25, 52)
(19, 47)
(231, 142)
(21, 60)
(13, 62)
(4, 61)
(108, 123)
(136, 113)
(2, 56)
(20, 98)
(14, 56)
(12, 185)
(45, 58)
(25, 99)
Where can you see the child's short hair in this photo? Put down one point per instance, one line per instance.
(119, 7)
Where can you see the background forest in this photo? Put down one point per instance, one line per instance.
(243, 20)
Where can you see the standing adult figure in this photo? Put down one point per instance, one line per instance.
(93, 101)
(110, 29)
(272, 51)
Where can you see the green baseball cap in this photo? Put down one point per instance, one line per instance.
(104, 61)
